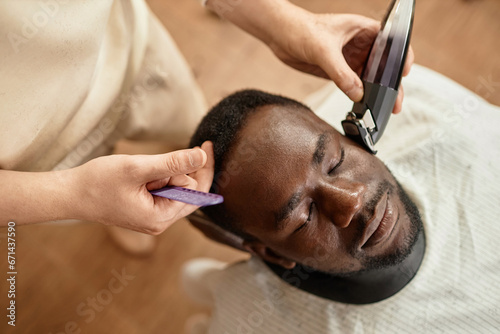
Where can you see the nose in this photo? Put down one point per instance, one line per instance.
(341, 200)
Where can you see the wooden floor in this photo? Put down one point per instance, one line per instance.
(64, 269)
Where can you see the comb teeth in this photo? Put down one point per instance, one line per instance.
(188, 196)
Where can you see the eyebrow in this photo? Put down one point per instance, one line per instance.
(286, 210)
(319, 152)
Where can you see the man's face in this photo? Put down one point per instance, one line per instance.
(308, 194)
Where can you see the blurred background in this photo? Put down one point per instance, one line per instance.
(63, 268)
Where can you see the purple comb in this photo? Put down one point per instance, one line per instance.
(188, 196)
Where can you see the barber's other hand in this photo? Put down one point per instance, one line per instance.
(331, 46)
(114, 190)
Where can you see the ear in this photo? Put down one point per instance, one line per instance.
(258, 248)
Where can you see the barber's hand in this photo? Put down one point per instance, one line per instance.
(114, 190)
(331, 46)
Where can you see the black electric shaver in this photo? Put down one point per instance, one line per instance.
(381, 76)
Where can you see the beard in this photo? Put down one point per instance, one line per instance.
(401, 253)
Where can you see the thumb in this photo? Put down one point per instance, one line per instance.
(174, 163)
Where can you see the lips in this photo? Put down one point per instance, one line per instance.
(379, 228)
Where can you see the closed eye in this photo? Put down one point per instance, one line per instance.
(342, 154)
(309, 217)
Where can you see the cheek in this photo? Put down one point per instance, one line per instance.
(362, 166)
(313, 245)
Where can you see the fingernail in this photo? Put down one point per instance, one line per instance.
(196, 157)
(356, 92)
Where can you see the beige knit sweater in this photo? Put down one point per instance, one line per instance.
(76, 76)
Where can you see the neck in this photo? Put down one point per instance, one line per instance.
(362, 288)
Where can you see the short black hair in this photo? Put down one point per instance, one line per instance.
(221, 126)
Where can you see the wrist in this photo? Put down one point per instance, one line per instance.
(294, 25)
(35, 197)
(67, 190)
(259, 18)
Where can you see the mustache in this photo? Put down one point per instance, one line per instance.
(369, 209)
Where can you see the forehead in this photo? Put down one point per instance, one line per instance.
(274, 128)
(270, 160)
